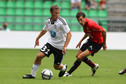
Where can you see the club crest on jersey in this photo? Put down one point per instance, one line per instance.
(55, 26)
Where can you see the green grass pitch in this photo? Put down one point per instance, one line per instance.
(14, 63)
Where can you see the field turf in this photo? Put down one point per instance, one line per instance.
(14, 63)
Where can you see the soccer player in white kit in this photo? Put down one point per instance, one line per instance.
(75, 3)
(60, 36)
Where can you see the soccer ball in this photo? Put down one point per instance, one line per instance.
(46, 74)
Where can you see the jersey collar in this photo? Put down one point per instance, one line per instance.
(86, 22)
(52, 22)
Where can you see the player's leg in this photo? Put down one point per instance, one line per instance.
(39, 58)
(93, 66)
(83, 48)
(58, 67)
(73, 68)
(76, 64)
(35, 66)
(37, 63)
(58, 57)
(45, 51)
(62, 69)
(89, 62)
(93, 48)
(80, 56)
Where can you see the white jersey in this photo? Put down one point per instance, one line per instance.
(75, 1)
(58, 31)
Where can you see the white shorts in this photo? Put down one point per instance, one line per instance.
(75, 1)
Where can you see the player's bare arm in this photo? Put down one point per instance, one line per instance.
(79, 44)
(69, 35)
(38, 37)
(104, 39)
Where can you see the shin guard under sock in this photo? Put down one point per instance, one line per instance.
(75, 66)
(88, 62)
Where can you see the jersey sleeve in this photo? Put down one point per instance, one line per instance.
(46, 26)
(65, 26)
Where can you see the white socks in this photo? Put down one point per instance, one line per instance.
(34, 69)
(36, 66)
(64, 68)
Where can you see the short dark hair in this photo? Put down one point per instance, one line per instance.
(54, 7)
(80, 14)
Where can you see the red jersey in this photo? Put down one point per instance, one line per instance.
(94, 31)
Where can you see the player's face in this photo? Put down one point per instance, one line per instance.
(55, 14)
(82, 20)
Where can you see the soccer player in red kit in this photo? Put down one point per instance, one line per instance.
(97, 39)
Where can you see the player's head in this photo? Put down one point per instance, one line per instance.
(54, 10)
(81, 17)
(5, 25)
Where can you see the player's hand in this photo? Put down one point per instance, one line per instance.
(78, 45)
(104, 46)
(36, 43)
(64, 50)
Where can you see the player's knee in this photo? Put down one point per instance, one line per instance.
(39, 56)
(79, 58)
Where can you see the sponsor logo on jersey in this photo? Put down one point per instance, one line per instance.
(53, 33)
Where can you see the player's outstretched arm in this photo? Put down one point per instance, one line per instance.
(69, 35)
(79, 44)
(104, 39)
(38, 37)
